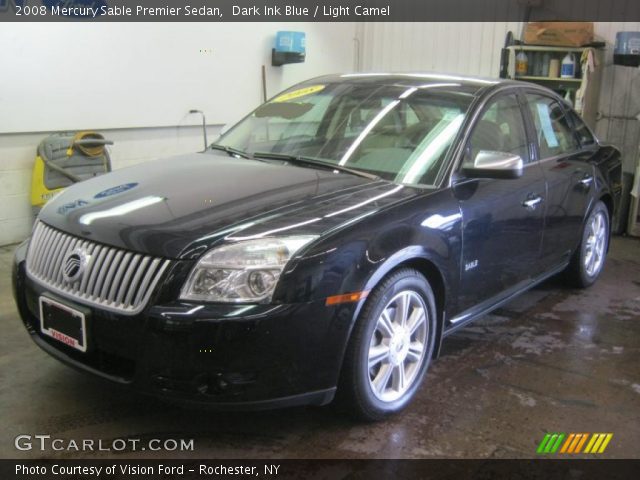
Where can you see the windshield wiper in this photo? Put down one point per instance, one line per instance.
(314, 162)
(230, 150)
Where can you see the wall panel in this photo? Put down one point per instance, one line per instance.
(135, 82)
(471, 48)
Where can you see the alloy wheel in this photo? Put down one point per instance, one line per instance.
(398, 345)
(595, 244)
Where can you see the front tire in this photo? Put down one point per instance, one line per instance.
(588, 260)
(390, 348)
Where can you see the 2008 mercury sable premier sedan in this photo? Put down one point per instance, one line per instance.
(324, 246)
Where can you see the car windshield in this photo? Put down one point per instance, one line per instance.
(397, 132)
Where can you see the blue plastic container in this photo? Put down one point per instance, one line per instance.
(290, 47)
(291, 42)
(627, 49)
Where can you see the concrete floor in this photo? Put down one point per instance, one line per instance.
(554, 360)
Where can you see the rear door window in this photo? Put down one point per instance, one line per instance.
(584, 134)
(554, 133)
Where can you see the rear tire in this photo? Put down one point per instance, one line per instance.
(588, 260)
(390, 348)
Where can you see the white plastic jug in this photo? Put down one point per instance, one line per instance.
(568, 68)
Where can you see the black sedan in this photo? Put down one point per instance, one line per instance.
(324, 246)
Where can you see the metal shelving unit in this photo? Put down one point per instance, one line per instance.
(562, 85)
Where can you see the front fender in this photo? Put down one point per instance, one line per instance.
(356, 259)
(404, 256)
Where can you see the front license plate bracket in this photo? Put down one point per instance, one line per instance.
(66, 324)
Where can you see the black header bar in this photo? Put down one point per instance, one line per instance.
(318, 10)
(592, 469)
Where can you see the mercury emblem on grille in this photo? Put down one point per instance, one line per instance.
(74, 264)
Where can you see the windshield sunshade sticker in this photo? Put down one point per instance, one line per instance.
(301, 92)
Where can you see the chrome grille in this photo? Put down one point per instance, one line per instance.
(113, 279)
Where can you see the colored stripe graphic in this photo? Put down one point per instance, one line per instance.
(543, 443)
(567, 442)
(555, 447)
(581, 442)
(606, 442)
(598, 443)
(577, 441)
(573, 443)
(550, 443)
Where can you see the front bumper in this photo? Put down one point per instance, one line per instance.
(231, 356)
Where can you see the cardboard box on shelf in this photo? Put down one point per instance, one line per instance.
(559, 34)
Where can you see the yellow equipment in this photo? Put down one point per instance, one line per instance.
(63, 159)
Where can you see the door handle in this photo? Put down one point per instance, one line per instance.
(586, 181)
(532, 202)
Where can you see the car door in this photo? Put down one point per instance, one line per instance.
(502, 218)
(567, 171)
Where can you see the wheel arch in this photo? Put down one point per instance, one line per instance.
(418, 259)
(607, 199)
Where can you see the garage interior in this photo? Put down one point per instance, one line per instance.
(555, 359)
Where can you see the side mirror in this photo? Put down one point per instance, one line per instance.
(490, 164)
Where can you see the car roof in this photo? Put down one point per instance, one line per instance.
(474, 85)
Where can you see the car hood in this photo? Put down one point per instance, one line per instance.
(180, 206)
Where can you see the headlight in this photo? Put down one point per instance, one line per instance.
(247, 271)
